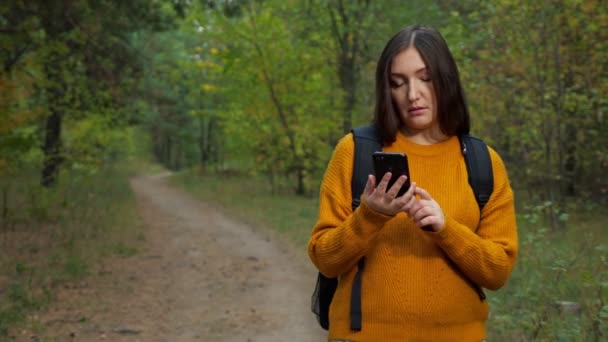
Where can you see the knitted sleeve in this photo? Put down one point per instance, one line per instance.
(340, 236)
(486, 256)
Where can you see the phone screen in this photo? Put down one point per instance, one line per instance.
(393, 162)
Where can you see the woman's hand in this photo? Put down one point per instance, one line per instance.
(426, 212)
(386, 202)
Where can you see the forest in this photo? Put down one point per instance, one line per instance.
(225, 91)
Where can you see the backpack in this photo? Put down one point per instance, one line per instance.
(368, 141)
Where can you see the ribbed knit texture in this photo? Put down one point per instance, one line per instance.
(417, 285)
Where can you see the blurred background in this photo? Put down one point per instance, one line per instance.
(244, 101)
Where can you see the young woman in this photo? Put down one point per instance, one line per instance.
(428, 252)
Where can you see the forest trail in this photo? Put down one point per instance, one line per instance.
(201, 276)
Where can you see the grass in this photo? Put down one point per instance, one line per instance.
(52, 237)
(556, 269)
(250, 200)
(559, 289)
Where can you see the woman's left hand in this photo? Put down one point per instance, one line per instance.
(426, 212)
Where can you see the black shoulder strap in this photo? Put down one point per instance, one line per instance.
(479, 168)
(481, 177)
(367, 141)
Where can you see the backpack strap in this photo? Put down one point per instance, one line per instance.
(367, 141)
(479, 168)
(481, 177)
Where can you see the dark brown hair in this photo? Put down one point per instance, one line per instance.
(452, 110)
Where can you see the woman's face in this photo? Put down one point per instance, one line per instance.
(412, 92)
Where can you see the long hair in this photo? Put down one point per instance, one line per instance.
(452, 109)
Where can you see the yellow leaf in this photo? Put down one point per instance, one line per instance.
(209, 87)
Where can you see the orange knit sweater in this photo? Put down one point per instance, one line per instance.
(416, 285)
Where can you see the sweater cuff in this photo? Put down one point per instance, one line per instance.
(369, 221)
(449, 235)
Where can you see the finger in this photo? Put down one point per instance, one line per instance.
(423, 194)
(369, 185)
(407, 196)
(410, 202)
(411, 191)
(422, 213)
(412, 206)
(427, 223)
(397, 186)
(384, 182)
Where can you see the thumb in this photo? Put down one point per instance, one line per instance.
(423, 194)
(369, 185)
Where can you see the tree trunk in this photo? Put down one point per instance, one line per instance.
(346, 34)
(4, 224)
(56, 63)
(207, 148)
(558, 105)
(52, 150)
(300, 189)
(203, 143)
(156, 145)
(348, 82)
(570, 163)
(167, 152)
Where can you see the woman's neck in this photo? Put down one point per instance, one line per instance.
(425, 137)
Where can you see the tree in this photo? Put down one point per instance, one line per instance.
(540, 87)
(268, 82)
(83, 55)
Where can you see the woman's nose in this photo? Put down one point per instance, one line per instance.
(413, 91)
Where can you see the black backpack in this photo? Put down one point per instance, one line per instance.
(367, 141)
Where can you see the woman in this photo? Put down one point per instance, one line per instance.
(428, 252)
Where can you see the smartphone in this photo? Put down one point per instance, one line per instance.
(394, 162)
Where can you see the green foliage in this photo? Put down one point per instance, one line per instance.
(68, 61)
(538, 92)
(95, 140)
(19, 299)
(273, 85)
(558, 288)
(50, 237)
(267, 83)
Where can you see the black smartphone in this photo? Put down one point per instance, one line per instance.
(394, 162)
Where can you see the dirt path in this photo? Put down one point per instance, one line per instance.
(202, 276)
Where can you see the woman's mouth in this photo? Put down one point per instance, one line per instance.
(416, 110)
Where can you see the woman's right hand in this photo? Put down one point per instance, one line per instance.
(386, 202)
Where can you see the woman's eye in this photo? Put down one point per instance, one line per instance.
(394, 84)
